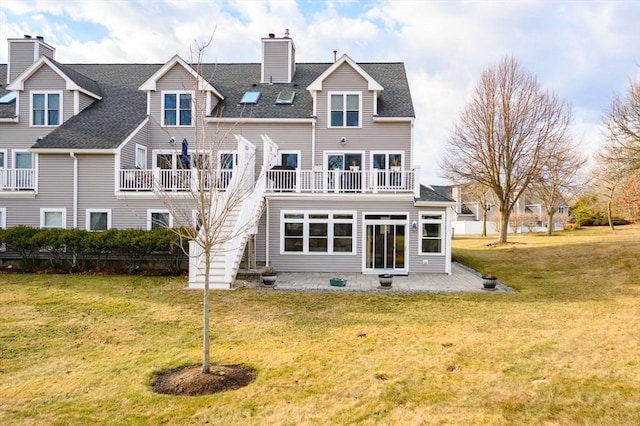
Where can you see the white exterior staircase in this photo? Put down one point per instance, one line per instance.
(234, 225)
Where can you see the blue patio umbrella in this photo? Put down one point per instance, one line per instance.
(184, 158)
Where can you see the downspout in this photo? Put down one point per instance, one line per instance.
(75, 189)
(313, 144)
(266, 236)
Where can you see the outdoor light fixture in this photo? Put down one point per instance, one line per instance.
(343, 141)
(172, 140)
(414, 226)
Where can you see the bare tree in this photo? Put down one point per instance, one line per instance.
(211, 194)
(505, 133)
(622, 129)
(608, 178)
(482, 196)
(557, 178)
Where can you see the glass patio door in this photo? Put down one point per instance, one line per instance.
(385, 247)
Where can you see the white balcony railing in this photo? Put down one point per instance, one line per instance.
(341, 181)
(17, 179)
(302, 181)
(173, 180)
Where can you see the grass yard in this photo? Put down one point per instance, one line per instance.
(564, 349)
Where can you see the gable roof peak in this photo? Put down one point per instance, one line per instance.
(203, 84)
(317, 83)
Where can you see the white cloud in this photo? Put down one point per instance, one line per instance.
(584, 51)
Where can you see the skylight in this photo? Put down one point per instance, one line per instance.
(8, 98)
(250, 98)
(285, 97)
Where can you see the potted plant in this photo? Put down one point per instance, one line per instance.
(385, 280)
(395, 164)
(338, 282)
(489, 282)
(268, 275)
(354, 166)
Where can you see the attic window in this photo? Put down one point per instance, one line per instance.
(8, 98)
(250, 98)
(285, 97)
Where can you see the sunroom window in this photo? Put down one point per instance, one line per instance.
(318, 232)
(431, 233)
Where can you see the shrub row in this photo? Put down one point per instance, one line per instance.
(79, 250)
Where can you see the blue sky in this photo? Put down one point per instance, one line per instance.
(584, 51)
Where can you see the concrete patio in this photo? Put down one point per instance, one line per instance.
(461, 280)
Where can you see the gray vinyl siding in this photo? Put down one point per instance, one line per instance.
(344, 262)
(45, 79)
(371, 136)
(21, 57)
(96, 187)
(84, 101)
(276, 61)
(128, 152)
(46, 51)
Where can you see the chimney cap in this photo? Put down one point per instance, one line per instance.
(27, 36)
(286, 33)
(40, 38)
(272, 35)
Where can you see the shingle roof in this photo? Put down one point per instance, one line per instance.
(6, 110)
(107, 122)
(428, 194)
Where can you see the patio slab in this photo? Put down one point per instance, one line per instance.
(461, 280)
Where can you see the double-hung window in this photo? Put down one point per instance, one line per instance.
(431, 232)
(318, 232)
(345, 109)
(46, 108)
(177, 109)
(98, 220)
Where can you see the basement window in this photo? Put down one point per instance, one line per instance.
(250, 98)
(285, 97)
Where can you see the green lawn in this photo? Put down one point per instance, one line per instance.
(563, 349)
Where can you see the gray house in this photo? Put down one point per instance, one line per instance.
(328, 146)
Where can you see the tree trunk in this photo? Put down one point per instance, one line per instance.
(549, 223)
(504, 226)
(484, 222)
(610, 215)
(205, 314)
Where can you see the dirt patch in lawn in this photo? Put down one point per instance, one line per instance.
(191, 381)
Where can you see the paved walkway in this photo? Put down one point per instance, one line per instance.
(461, 280)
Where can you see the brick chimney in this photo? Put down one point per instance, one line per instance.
(23, 52)
(278, 59)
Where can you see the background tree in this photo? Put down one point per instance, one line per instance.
(557, 178)
(622, 130)
(206, 195)
(505, 134)
(482, 196)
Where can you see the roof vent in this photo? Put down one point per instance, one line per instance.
(286, 33)
(27, 36)
(40, 38)
(272, 35)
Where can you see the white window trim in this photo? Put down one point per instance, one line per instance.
(330, 236)
(388, 153)
(326, 155)
(442, 223)
(3, 225)
(6, 159)
(150, 213)
(46, 116)
(137, 163)
(177, 93)
(344, 121)
(290, 151)
(45, 210)
(87, 218)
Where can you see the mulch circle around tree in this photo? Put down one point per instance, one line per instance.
(191, 381)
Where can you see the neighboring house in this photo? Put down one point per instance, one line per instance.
(528, 214)
(82, 144)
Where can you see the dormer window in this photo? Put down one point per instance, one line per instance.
(177, 109)
(46, 108)
(345, 109)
